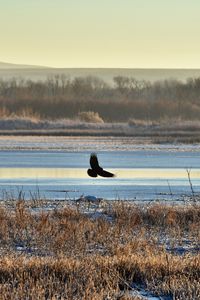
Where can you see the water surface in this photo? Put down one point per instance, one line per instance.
(140, 174)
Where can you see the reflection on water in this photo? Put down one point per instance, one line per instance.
(140, 175)
(138, 184)
(69, 173)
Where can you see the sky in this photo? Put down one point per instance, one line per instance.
(101, 33)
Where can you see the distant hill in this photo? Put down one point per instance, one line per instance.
(36, 73)
(5, 65)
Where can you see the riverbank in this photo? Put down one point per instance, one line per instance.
(142, 131)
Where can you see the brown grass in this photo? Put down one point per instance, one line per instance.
(90, 117)
(65, 254)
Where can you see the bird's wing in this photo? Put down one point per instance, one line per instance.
(92, 173)
(94, 161)
(96, 168)
(104, 173)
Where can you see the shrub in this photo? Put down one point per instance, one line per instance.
(90, 117)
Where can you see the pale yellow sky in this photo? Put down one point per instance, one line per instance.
(106, 33)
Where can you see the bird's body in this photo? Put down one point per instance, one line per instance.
(96, 169)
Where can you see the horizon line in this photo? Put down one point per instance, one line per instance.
(30, 66)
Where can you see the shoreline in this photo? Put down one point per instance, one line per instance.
(88, 143)
(152, 134)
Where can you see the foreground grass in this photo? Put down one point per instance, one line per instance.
(72, 253)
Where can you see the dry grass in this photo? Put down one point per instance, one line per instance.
(67, 254)
(90, 117)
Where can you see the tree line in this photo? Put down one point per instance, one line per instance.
(62, 97)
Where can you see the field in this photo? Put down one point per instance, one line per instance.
(118, 250)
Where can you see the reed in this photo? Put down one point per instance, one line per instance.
(67, 253)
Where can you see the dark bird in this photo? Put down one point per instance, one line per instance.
(96, 169)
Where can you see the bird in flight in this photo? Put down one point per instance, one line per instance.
(96, 169)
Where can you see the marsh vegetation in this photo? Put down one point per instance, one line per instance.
(73, 251)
